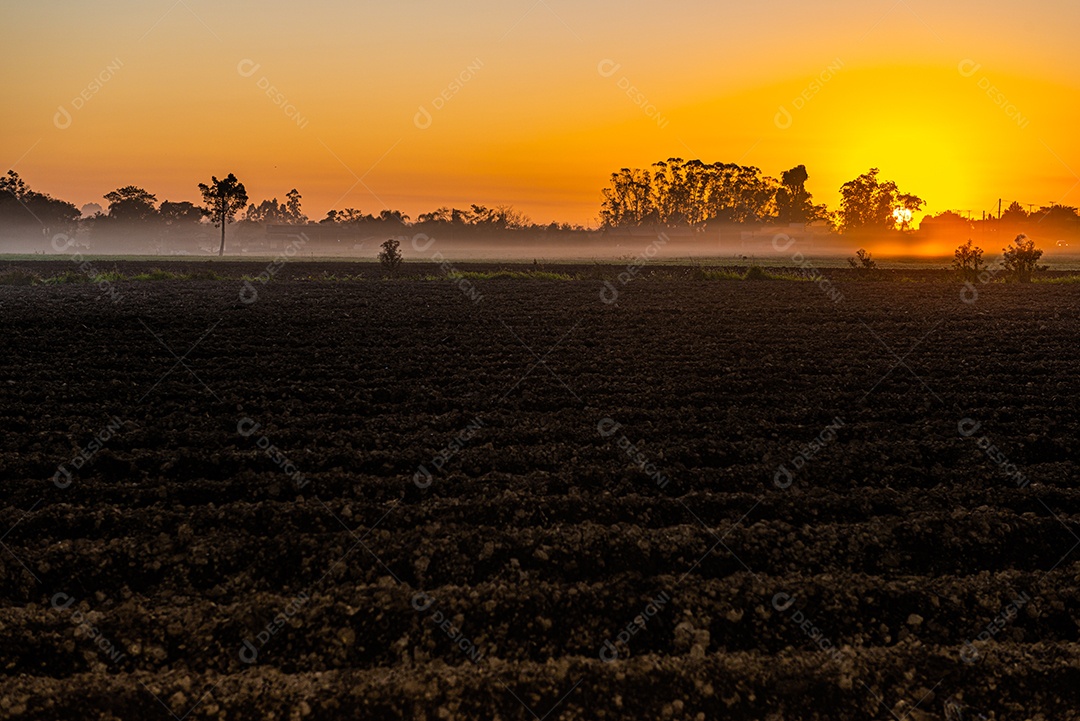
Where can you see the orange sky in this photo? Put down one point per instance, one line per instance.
(960, 104)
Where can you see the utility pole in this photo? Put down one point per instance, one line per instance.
(999, 208)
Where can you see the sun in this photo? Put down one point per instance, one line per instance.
(902, 216)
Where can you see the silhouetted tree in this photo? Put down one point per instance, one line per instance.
(293, 213)
(131, 204)
(1057, 217)
(866, 202)
(180, 220)
(13, 185)
(180, 213)
(793, 203)
(347, 216)
(1014, 214)
(628, 200)
(393, 216)
(22, 209)
(968, 261)
(441, 215)
(271, 212)
(687, 192)
(390, 256)
(1021, 259)
(223, 198)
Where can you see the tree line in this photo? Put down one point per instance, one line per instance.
(691, 193)
(670, 193)
(136, 212)
(677, 192)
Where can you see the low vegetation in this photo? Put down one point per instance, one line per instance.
(1021, 260)
(864, 263)
(1018, 264)
(19, 276)
(968, 261)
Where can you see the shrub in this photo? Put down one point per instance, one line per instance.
(863, 262)
(968, 261)
(1021, 260)
(390, 256)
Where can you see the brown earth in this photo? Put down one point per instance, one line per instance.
(129, 588)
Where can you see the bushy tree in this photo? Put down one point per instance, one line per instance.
(1014, 214)
(132, 204)
(793, 201)
(22, 209)
(390, 256)
(180, 213)
(1021, 259)
(869, 203)
(679, 192)
(968, 261)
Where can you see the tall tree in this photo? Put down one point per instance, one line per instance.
(793, 201)
(679, 192)
(223, 198)
(292, 208)
(629, 199)
(869, 203)
(268, 211)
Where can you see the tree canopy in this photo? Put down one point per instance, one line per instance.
(223, 199)
(869, 203)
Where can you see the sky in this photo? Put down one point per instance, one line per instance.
(417, 104)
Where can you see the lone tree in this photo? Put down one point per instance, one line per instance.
(1021, 259)
(223, 199)
(968, 261)
(390, 257)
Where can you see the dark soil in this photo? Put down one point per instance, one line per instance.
(497, 586)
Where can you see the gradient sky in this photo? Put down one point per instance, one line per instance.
(537, 124)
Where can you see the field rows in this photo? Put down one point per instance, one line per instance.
(450, 509)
